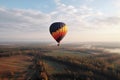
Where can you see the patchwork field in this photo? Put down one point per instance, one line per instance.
(67, 62)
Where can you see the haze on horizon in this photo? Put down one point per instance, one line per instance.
(87, 20)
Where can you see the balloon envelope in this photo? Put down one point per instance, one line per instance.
(58, 30)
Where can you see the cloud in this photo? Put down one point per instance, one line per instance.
(107, 21)
(116, 3)
(22, 20)
(28, 20)
(77, 18)
(90, 0)
(58, 2)
(28, 23)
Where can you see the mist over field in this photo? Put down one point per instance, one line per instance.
(37, 61)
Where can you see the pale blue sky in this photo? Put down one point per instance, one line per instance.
(50, 5)
(87, 20)
(42, 5)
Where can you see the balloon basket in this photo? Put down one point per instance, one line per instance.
(58, 44)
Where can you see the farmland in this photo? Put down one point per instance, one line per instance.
(67, 62)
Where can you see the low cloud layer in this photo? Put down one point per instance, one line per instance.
(22, 20)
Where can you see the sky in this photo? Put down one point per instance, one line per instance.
(87, 20)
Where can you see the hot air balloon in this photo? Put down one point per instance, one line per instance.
(58, 30)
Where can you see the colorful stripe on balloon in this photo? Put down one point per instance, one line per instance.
(58, 31)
